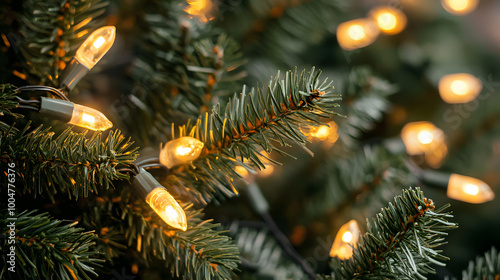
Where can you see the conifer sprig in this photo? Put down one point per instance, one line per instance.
(69, 163)
(400, 242)
(48, 249)
(484, 267)
(262, 119)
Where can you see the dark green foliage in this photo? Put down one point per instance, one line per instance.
(366, 102)
(259, 120)
(7, 102)
(190, 69)
(261, 250)
(372, 173)
(400, 242)
(52, 31)
(48, 249)
(68, 163)
(484, 268)
(200, 252)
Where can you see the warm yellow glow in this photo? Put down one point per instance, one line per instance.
(459, 88)
(167, 208)
(267, 171)
(96, 46)
(357, 33)
(345, 240)
(459, 7)
(389, 19)
(469, 189)
(347, 237)
(89, 118)
(99, 42)
(200, 9)
(180, 151)
(241, 170)
(425, 138)
(327, 134)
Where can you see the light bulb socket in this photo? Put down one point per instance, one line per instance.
(395, 145)
(435, 178)
(72, 74)
(57, 109)
(144, 182)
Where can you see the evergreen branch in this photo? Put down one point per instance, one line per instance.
(52, 31)
(190, 69)
(8, 94)
(400, 241)
(261, 250)
(366, 102)
(260, 119)
(201, 252)
(69, 163)
(342, 183)
(48, 249)
(484, 268)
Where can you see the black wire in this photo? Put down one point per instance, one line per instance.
(148, 161)
(51, 90)
(28, 104)
(286, 245)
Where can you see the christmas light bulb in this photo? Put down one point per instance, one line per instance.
(200, 9)
(357, 33)
(167, 208)
(96, 46)
(181, 150)
(459, 88)
(459, 7)
(425, 138)
(389, 19)
(89, 118)
(345, 240)
(469, 189)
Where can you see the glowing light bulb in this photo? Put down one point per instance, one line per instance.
(357, 33)
(167, 208)
(345, 240)
(459, 88)
(96, 46)
(425, 138)
(389, 19)
(89, 118)
(200, 9)
(459, 7)
(241, 170)
(469, 189)
(327, 134)
(181, 150)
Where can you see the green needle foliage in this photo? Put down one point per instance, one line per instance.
(263, 254)
(7, 102)
(190, 69)
(52, 31)
(366, 102)
(68, 163)
(400, 242)
(484, 268)
(48, 249)
(261, 119)
(200, 252)
(372, 173)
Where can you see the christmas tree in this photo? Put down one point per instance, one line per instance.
(266, 139)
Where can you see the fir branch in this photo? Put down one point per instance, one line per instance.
(48, 249)
(261, 119)
(53, 30)
(69, 163)
(7, 102)
(201, 252)
(366, 102)
(400, 242)
(365, 177)
(484, 268)
(261, 250)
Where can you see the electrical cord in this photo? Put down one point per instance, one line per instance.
(48, 89)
